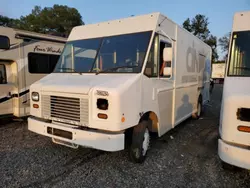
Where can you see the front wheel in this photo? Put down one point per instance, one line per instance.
(228, 167)
(140, 142)
(197, 115)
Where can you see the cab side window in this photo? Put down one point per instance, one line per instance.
(3, 78)
(151, 69)
(162, 63)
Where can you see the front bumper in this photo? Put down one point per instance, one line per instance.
(91, 139)
(234, 155)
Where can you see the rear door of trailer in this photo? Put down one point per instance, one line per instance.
(6, 88)
(6, 78)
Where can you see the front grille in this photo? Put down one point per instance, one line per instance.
(65, 109)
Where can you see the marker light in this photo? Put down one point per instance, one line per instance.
(244, 129)
(102, 116)
(35, 106)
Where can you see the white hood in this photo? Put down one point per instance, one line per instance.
(67, 82)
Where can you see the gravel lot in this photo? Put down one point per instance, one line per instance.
(184, 157)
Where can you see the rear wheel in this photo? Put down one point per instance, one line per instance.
(140, 142)
(198, 114)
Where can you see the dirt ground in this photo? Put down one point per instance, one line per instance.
(184, 157)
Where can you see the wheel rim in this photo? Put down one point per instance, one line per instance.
(145, 143)
(199, 109)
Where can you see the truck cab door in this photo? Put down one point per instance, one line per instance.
(165, 88)
(6, 88)
(158, 85)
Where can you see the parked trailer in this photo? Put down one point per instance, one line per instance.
(234, 142)
(118, 81)
(25, 57)
(218, 72)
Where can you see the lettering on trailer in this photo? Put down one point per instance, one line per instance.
(48, 49)
(194, 66)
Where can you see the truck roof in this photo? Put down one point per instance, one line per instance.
(133, 24)
(127, 25)
(241, 21)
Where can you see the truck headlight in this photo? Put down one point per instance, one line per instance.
(35, 96)
(102, 104)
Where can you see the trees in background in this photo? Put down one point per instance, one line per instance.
(8, 22)
(57, 20)
(199, 27)
(224, 43)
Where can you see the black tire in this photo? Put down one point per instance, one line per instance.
(140, 138)
(199, 112)
(227, 166)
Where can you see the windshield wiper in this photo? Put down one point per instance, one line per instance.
(114, 68)
(71, 70)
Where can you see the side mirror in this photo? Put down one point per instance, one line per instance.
(4, 42)
(167, 71)
(167, 54)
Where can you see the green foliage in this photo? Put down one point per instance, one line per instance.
(212, 42)
(224, 43)
(187, 25)
(199, 27)
(8, 22)
(57, 20)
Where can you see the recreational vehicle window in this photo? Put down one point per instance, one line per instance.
(3, 78)
(42, 63)
(4, 42)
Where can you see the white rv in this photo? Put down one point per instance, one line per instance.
(120, 80)
(25, 57)
(234, 142)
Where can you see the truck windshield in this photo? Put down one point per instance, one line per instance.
(239, 64)
(120, 54)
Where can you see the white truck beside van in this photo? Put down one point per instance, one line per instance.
(118, 81)
(218, 72)
(234, 142)
(25, 57)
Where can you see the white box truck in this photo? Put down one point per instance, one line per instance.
(118, 81)
(234, 129)
(25, 57)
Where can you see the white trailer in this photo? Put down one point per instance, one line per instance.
(120, 80)
(25, 57)
(218, 72)
(234, 142)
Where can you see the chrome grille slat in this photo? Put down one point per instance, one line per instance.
(64, 99)
(62, 109)
(77, 114)
(66, 109)
(55, 114)
(65, 103)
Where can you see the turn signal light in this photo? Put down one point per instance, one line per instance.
(244, 129)
(35, 106)
(102, 116)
